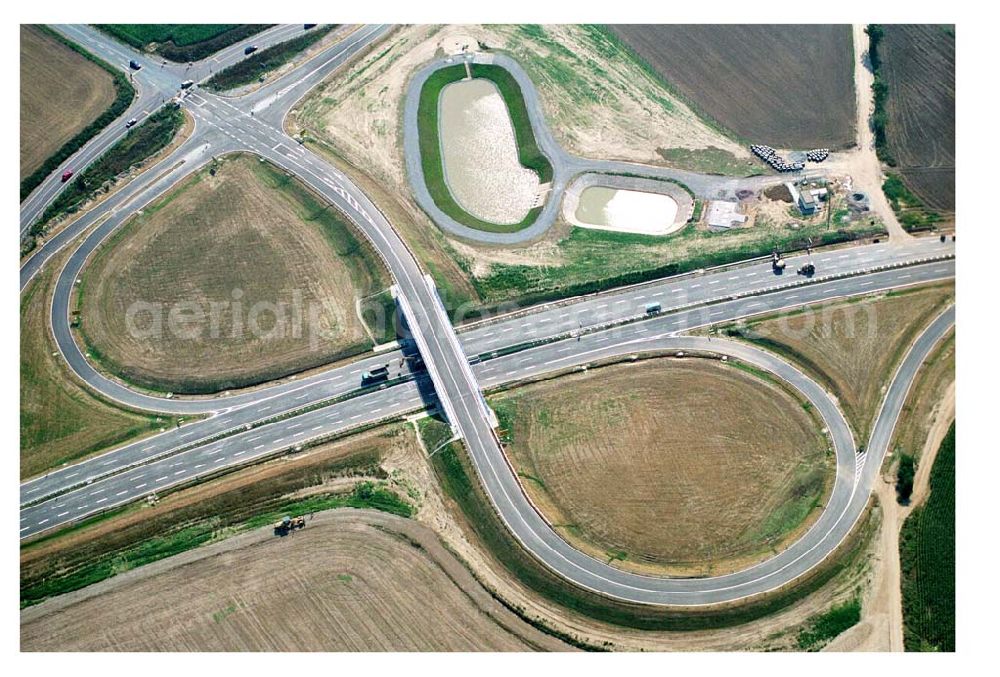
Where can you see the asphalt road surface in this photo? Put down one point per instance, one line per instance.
(243, 428)
(157, 81)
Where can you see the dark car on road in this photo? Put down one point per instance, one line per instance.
(134, 65)
(250, 49)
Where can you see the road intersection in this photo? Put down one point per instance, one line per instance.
(248, 426)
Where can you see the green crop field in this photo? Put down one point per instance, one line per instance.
(927, 559)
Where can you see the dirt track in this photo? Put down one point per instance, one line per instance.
(351, 581)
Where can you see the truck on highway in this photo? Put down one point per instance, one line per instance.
(186, 84)
(377, 375)
(653, 308)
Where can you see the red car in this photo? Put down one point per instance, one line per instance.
(67, 175)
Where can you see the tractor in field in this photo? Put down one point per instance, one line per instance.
(287, 525)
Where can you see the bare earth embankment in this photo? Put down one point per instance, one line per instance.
(61, 93)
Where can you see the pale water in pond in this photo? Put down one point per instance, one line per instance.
(480, 153)
(629, 211)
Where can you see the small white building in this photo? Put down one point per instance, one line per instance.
(723, 215)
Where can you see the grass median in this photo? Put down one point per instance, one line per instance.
(142, 142)
(257, 65)
(182, 42)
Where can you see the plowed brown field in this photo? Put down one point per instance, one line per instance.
(678, 466)
(784, 85)
(918, 64)
(350, 581)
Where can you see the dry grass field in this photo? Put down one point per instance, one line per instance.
(679, 466)
(853, 347)
(785, 85)
(61, 420)
(61, 93)
(935, 380)
(350, 581)
(918, 65)
(261, 277)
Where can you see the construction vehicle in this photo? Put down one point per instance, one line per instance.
(377, 375)
(807, 269)
(287, 525)
(777, 263)
(67, 175)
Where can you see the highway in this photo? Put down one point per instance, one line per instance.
(248, 426)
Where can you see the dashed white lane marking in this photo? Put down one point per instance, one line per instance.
(63, 514)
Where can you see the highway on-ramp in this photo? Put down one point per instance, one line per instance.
(242, 428)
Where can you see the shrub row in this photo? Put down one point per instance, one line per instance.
(142, 142)
(211, 40)
(248, 70)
